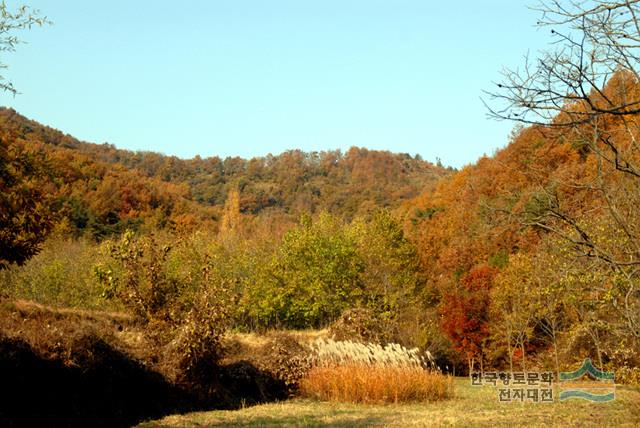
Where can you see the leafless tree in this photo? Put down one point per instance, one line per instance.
(593, 40)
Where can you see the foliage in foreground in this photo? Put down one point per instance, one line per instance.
(184, 316)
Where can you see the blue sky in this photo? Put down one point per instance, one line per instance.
(247, 78)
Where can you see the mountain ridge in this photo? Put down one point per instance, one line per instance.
(113, 185)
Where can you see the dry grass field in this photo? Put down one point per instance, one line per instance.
(471, 406)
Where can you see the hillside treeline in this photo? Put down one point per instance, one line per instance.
(102, 190)
(532, 253)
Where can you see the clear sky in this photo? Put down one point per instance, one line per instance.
(251, 77)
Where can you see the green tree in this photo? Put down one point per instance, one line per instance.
(314, 276)
(391, 273)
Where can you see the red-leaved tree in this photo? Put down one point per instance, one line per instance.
(465, 313)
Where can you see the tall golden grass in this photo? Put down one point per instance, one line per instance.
(359, 373)
(328, 352)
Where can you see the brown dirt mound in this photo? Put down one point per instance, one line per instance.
(103, 388)
(279, 355)
(75, 368)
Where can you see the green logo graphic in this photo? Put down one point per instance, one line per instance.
(603, 381)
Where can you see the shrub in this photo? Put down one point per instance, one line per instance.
(139, 278)
(287, 360)
(279, 355)
(625, 362)
(60, 275)
(185, 311)
(369, 373)
(361, 325)
(628, 375)
(198, 343)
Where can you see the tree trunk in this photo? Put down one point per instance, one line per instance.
(524, 365)
(555, 352)
(510, 351)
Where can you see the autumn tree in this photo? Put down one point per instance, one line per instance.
(515, 305)
(592, 301)
(25, 203)
(552, 297)
(25, 217)
(231, 216)
(465, 313)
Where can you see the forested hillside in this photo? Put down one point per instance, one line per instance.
(107, 189)
(535, 248)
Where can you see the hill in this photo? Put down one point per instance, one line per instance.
(105, 189)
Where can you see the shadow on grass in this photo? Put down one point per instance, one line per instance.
(103, 387)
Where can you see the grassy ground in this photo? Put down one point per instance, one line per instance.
(473, 406)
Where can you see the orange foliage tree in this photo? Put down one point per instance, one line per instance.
(465, 313)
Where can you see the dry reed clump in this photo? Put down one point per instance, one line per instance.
(328, 352)
(355, 372)
(375, 384)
